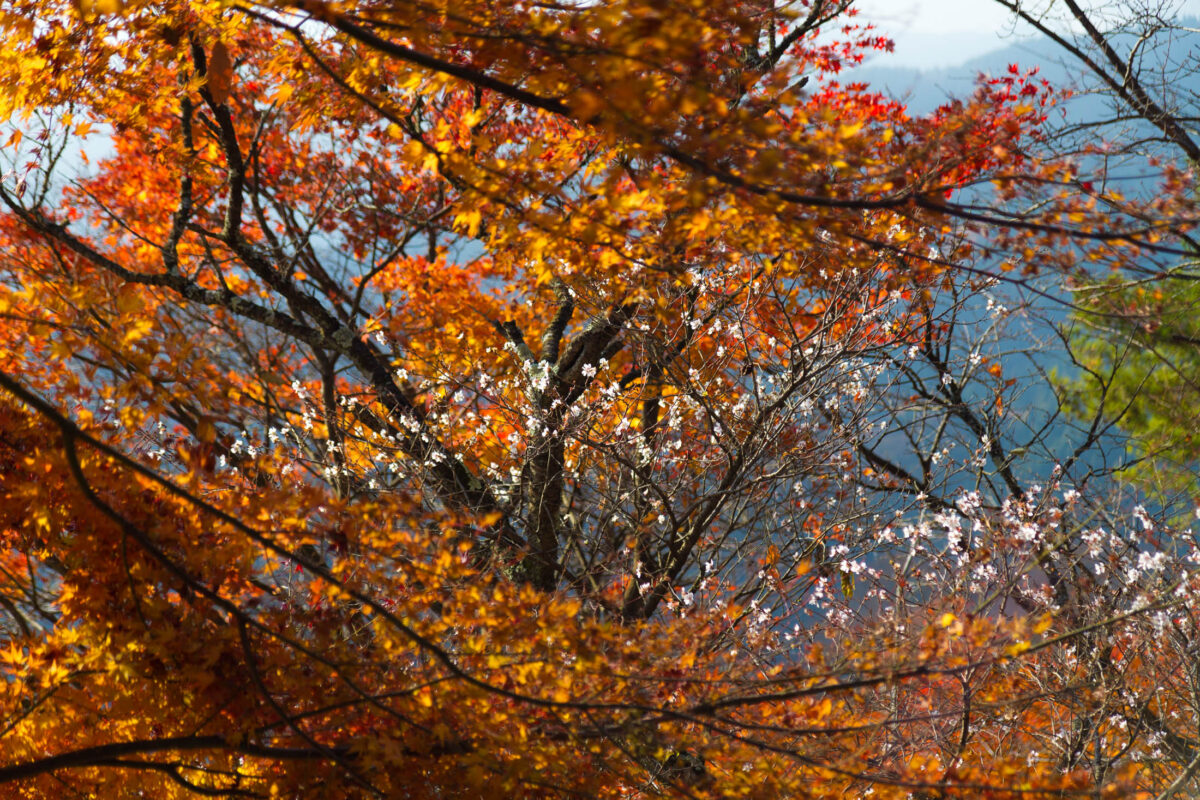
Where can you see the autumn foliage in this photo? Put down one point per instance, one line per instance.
(475, 399)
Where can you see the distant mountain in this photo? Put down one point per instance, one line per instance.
(1031, 350)
(925, 89)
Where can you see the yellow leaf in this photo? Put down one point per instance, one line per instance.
(470, 220)
(283, 93)
(129, 299)
(137, 330)
(1017, 648)
(846, 131)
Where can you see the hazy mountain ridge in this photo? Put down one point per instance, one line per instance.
(925, 89)
(1030, 349)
